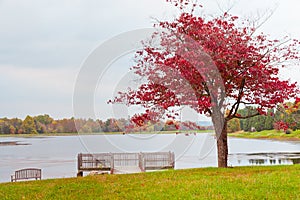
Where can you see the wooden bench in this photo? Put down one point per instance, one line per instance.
(111, 161)
(158, 160)
(29, 173)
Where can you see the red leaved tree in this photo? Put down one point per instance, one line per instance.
(214, 66)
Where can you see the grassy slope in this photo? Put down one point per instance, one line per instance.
(277, 182)
(269, 134)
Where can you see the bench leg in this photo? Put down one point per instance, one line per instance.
(80, 174)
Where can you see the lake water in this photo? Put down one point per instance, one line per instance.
(57, 156)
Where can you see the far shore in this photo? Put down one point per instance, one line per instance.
(268, 135)
(105, 133)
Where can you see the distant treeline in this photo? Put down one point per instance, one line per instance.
(46, 124)
(282, 118)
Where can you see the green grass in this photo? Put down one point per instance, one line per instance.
(269, 134)
(276, 182)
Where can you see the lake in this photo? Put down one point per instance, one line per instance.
(57, 155)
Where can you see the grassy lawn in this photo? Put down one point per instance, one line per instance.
(276, 182)
(269, 134)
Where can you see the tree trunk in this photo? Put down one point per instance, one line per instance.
(222, 146)
(220, 125)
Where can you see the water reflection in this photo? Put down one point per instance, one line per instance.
(271, 162)
(279, 158)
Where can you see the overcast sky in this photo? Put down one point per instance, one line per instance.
(44, 42)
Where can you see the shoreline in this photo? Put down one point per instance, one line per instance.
(282, 139)
(263, 135)
(268, 135)
(102, 133)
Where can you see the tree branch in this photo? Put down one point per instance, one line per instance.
(245, 117)
(236, 105)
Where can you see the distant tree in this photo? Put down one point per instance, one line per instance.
(4, 126)
(16, 123)
(288, 116)
(111, 125)
(40, 127)
(260, 122)
(42, 122)
(269, 120)
(44, 119)
(28, 125)
(65, 126)
(12, 129)
(122, 124)
(233, 125)
(69, 125)
(86, 129)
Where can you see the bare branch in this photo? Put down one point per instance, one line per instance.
(257, 23)
(236, 105)
(245, 117)
(230, 5)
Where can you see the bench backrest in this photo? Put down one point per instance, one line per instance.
(155, 160)
(28, 173)
(159, 159)
(94, 161)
